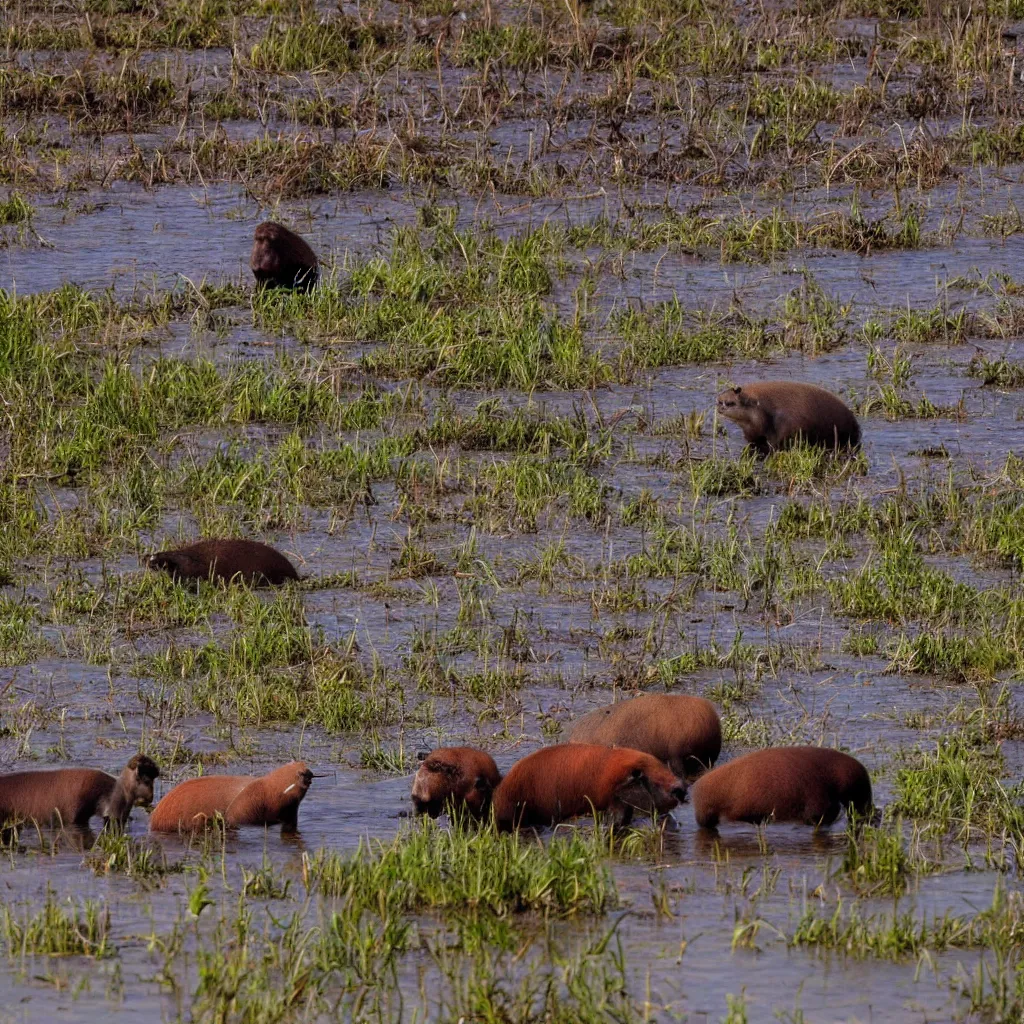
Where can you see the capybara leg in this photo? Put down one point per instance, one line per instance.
(619, 815)
(822, 815)
(707, 819)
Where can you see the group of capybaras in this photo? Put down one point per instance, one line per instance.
(635, 756)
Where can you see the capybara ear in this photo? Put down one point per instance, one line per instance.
(422, 755)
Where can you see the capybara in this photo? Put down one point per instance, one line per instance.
(455, 779)
(778, 413)
(272, 799)
(282, 259)
(74, 795)
(681, 730)
(254, 562)
(803, 784)
(570, 779)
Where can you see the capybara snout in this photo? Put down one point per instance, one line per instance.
(457, 779)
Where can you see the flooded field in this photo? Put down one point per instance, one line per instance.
(550, 234)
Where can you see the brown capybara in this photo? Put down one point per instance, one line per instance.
(74, 795)
(778, 413)
(681, 730)
(571, 779)
(803, 784)
(253, 562)
(272, 799)
(455, 779)
(282, 259)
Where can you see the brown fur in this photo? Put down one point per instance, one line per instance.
(193, 803)
(75, 795)
(273, 799)
(680, 730)
(804, 784)
(282, 259)
(775, 414)
(564, 781)
(238, 799)
(455, 778)
(254, 562)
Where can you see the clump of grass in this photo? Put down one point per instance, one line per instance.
(56, 930)
(15, 209)
(431, 868)
(715, 475)
(117, 853)
(513, 493)
(880, 861)
(959, 787)
(999, 373)
(895, 937)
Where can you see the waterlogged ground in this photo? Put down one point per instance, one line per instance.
(551, 234)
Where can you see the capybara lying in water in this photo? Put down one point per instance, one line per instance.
(778, 413)
(254, 562)
(282, 259)
(564, 781)
(803, 784)
(272, 799)
(455, 779)
(74, 795)
(680, 730)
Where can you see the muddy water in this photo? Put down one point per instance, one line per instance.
(131, 238)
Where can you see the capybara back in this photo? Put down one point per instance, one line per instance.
(811, 785)
(253, 562)
(681, 730)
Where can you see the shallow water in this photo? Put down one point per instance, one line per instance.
(95, 695)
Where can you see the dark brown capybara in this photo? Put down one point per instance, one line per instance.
(253, 562)
(802, 784)
(72, 796)
(282, 259)
(681, 730)
(272, 799)
(571, 779)
(455, 779)
(778, 413)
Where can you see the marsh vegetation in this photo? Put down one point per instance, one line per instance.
(549, 234)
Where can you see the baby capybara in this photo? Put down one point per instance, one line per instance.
(272, 799)
(253, 562)
(681, 730)
(778, 413)
(455, 779)
(72, 796)
(282, 259)
(803, 784)
(571, 779)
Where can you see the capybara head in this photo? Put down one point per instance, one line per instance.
(650, 787)
(281, 258)
(137, 778)
(178, 564)
(455, 779)
(734, 404)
